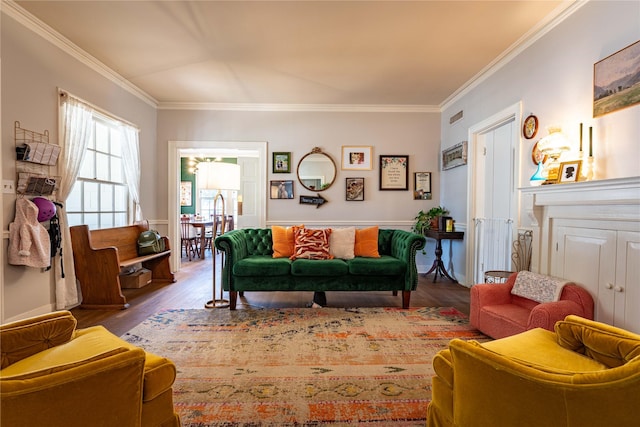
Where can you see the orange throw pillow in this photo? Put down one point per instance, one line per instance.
(283, 241)
(367, 242)
(311, 244)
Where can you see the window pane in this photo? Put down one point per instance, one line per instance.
(91, 197)
(92, 221)
(106, 220)
(116, 170)
(88, 169)
(121, 219)
(74, 219)
(102, 167)
(102, 137)
(120, 201)
(74, 201)
(116, 148)
(106, 197)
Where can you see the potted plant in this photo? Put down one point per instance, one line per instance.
(428, 220)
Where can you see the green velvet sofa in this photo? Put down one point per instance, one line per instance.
(249, 266)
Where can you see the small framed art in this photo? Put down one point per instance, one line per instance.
(356, 157)
(422, 185)
(454, 156)
(281, 162)
(354, 189)
(614, 81)
(569, 171)
(185, 193)
(394, 172)
(281, 189)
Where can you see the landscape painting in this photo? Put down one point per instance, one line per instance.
(616, 81)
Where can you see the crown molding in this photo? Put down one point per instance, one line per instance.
(324, 108)
(553, 19)
(12, 9)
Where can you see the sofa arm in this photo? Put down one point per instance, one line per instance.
(404, 246)
(24, 338)
(547, 314)
(75, 395)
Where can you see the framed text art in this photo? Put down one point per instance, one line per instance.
(356, 157)
(614, 80)
(394, 172)
(422, 186)
(281, 162)
(354, 189)
(281, 189)
(185, 193)
(454, 156)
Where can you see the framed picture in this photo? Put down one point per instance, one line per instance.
(354, 189)
(422, 185)
(281, 162)
(569, 171)
(394, 172)
(281, 189)
(356, 157)
(185, 193)
(613, 81)
(454, 156)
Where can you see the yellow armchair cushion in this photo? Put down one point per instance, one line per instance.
(548, 357)
(30, 336)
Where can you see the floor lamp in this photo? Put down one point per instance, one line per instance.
(219, 176)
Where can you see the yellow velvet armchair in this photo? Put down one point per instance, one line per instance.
(53, 374)
(585, 374)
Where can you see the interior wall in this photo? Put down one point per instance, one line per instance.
(553, 78)
(32, 70)
(413, 134)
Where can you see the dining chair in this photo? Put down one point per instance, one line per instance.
(189, 239)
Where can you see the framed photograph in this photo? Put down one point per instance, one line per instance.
(613, 81)
(569, 171)
(281, 162)
(354, 189)
(422, 185)
(454, 156)
(281, 189)
(185, 193)
(394, 172)
(356, 157)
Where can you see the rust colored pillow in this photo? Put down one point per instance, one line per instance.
(367, 242)
(311, 243)
(283, 240)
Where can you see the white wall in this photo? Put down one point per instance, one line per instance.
(554, 79)
(32, 69)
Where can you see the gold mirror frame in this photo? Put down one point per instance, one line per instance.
(317, 181)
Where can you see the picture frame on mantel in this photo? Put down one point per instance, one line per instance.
(394, 172)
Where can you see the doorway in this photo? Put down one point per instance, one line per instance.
(492, 197)
(252, 156)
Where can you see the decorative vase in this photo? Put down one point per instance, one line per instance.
(537, 178)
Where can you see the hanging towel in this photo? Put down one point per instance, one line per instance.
(29, 242)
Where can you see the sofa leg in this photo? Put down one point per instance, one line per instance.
(233, 299)
(406, 298)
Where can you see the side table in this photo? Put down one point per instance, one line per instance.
(438, 265)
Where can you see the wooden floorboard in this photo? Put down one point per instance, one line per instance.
(194, 288)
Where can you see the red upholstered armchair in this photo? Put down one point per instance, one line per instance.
(498, 313)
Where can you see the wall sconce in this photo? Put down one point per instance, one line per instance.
(553, 145)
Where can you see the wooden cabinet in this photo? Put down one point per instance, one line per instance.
(604, 256)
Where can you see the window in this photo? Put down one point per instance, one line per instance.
(100, 197)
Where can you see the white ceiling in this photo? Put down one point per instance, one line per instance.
(402, 53)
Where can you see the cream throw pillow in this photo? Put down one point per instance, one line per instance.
(342, 242)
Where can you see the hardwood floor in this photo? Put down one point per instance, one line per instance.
(194, 288)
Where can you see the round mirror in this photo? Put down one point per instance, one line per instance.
(316, 171)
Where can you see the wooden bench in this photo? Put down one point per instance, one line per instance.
(99, 255)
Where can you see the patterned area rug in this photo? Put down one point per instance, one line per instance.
(302, 367)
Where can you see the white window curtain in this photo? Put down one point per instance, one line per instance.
(131, 162)
(76, 128)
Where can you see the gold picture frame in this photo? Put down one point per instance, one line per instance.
(569, 171)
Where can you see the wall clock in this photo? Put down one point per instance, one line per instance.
(530, 127)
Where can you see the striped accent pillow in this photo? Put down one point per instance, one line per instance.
(311, 243)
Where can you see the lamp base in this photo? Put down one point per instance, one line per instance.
(218, 303)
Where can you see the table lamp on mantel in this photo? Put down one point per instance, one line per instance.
(218, 176)
(553, 145)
